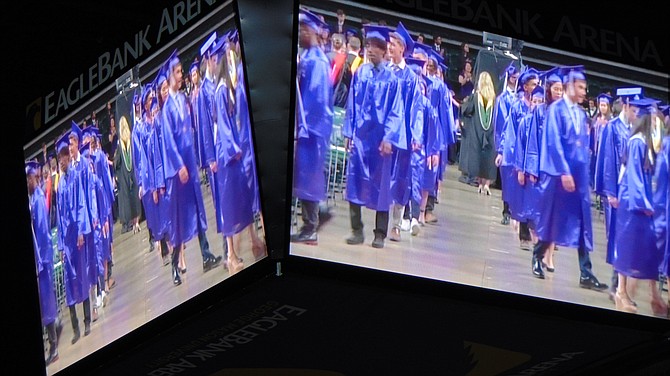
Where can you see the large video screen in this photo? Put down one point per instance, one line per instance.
(148, 195)
(452, 154)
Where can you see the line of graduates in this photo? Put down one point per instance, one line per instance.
(178, 136)
(399, 121)
(545, 152)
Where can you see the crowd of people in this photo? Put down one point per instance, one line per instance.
(172, 137)
(551, 153)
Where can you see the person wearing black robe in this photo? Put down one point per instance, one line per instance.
(129, 202)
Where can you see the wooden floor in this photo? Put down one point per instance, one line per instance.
(470, 246)
(144, 288)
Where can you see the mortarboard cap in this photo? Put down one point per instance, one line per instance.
(350, 32)
(420, 48)
(90, 132)
(538, 91)
(527, 75)
(32, 167)
(194, 66)
(63, 142)
(550, 76)
(604, 97)
(404, 36)
(136, 98)
(665, 110)
(51, 155)
(511, 70)
(172, 62)
(161, 77)
(645, 105)
(312, 20)
(377, 32)
(415, 65)
(76, 131)
(436, 56)
(148, 88)
(628, 94)
(85, 150)
(220, 46)
(573, 73)
(206, 47)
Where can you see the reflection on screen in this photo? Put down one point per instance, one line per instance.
(147, 200)
(454, 155)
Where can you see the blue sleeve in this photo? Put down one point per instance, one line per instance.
(521, 144)
(532, 159)
(660, 197)
(638, 198)
(206, 125)
(317, 97)
(607, 183)
(349, 123)
(136, 150)
(228, 145)
(552, 159)
(394, 124)
(598, 179)
(172, 161)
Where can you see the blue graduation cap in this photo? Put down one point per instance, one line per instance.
(665, 110)
(162, 77)
(63, 142)
(85, 150)
(573, 73)
(148, 88)
(350, 32)
(90, 132)
(204, 49)
(312, 20)
(76, 131)
(172, 62)
(538, 92)
(51, 155)
(645, 105)
(194, 66)
(436, 56)
(416, 65)
(377, 32)
(604, 97)
(628, 94)
(511, 70)
(234, 36)
(32, 167)
(403, 34)
(136, 98)
(550, 76)
(154, 104)
(420, 48)
(220, 46)
(527, 75)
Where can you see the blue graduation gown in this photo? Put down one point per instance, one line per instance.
(401, 175)
(205, 115)
(565, 217)
(501, 110)
(431, 144)
(44, 256)
(374, 114)
(530, 165)
(661, 206)
(103, 171)
(73, 220)
(609, 157)
(236, 196)
(313, 141)
(161, 222)
(523, 212)
(101, 255)
(636, 254)
(512, 192)
(92, 240)
(187, 210)
(443, 102)
(242, 118)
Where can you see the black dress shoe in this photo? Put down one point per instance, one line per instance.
(378, 242)
(537, 268)
(87, 329)
(76, 336)
(305, 237)
(591, 283)
(211, 263)
(151, 246)
(356, 239)
(505, 220)
(176, 279)
(53, 356)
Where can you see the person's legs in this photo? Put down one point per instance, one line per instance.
(75, 323)
(538, 253)
(357, 236)
(381, 228)
(398, 212)
(176, 254)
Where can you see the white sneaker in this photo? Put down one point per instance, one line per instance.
(98, 301)
(415, 227)
(405, 225)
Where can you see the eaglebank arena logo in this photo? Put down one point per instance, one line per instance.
(110, 64)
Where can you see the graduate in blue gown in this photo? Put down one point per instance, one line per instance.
(501, 111)
(314, 109)
(373, 126)
(603, 116)
(141, 160)
(636, 254)
(609, 157)
(187, 210)
(241, 117)
(441, 100)
(512, 191)
(564, 174)
(662, 205)
(74, 225)
(44, 261)
(400, 46)
(236, 196)
(531, 157)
